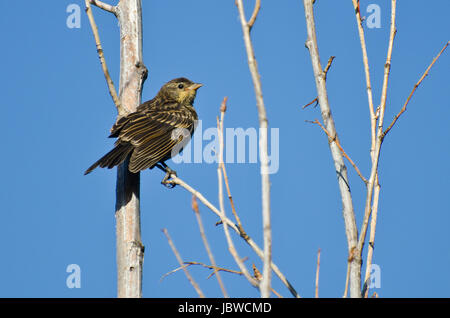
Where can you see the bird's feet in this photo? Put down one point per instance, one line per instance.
(167, 180)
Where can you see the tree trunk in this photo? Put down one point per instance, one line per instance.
(130, 251)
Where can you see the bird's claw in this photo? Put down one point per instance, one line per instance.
(167, 182)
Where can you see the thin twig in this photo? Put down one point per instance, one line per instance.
(327, 68)
(413, 90)
(205, 242)
(216, 269)
(335, 139)
(316, 100)
(104, 6)
(254, 14)
(325, 72)
(317, 274)
(347, 278)
(257, 274)
(223, 109)
(173, 271)
(373, 224)
(263, 152)
(109, 81)
(180, 261)
(373, 119)
(231, 246)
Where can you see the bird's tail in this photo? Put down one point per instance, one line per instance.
(112, 158)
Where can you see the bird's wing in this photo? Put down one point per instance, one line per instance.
(154, 134)
(122, 121)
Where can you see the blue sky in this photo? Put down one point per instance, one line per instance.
(57, 114)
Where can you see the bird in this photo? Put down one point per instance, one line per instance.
(156, 131)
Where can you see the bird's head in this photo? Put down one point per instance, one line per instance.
(181, 90)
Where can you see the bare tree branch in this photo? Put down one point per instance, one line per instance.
(223, 109)
(347, 280)
(317, 274)
(104, 6)
(413, 91)
(312, 102)
(205, 242)
(373, 119)
(180, 261)
(341, 169)
(231, 246)
(109, 81)
(252, 20)
(327, 68)
(263, 151)
(371, 247)
(215, 269)
(257, 274)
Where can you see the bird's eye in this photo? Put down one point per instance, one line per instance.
(180, 86)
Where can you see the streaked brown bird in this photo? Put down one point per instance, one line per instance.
(156, 131)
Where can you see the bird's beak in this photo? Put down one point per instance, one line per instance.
(195, 86)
